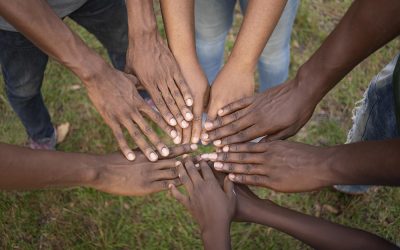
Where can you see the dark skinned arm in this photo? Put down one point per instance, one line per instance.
(318, 233)
(24, 169)
(112, 92)
(281, 111)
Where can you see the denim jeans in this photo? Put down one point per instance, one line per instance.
(374, 117)
(23, 64)
(213, 19)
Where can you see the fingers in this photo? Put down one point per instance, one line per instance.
(151, 135)
(139, 140)
(185, 111)
(237, 168)
(178, 138)
(282, 135)
(192, 172)
(163, 108)
(254, 180)
(156, 117)
(170, 102)
(184, 88)
(235, 106)
(186, 134)
(241, 136)
(183, 199)
(206, 171)
(197, 122)
(184, 177)
(246, 147)
(227, 130)
(164, 174)
(220, 121)
(256, 158)
(158, 186)
(123, 145)
(182, 149)
(228, 188)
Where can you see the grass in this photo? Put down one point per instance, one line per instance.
(86, 219)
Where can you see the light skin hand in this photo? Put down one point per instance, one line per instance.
(279, 165)
(278, 113)
(124, 108)
(210, 205)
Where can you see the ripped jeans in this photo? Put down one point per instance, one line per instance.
(375, 116)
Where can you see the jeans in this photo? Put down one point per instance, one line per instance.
(213, 19)
(23, 64)
(375, 117)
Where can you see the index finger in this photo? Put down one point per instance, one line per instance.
(181, 149)
(184, 88)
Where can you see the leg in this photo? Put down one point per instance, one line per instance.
(273, 65)
(23, 66)
(107, 20)
(374, 118)
(213, 19)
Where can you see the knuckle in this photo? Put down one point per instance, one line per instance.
(224, 157)
(255, 179)
(247, 168)
(242, 156)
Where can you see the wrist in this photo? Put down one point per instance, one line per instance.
(88, 170)
(334, 167)
(89, 66)
(241, 65)
(217, 236)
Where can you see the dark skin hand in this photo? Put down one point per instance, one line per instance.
(149, 58)
(112, 92)
(317, 233)
(280, 112)
(296, 167)
(111, 173)
(210, 205)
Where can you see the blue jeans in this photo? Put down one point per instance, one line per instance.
(23, 64)
(374, 117)
(213, 19)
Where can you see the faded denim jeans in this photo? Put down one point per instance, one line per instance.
(374, 117)
(213, 19)
(23, 64)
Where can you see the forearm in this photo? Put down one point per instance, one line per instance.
(259, 22)
(370, 162)
(357, 35)
(38, 22)
(23, 168)
(178, 19)
(317, 233)
(141, 22)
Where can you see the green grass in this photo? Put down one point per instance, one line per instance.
(86, 219)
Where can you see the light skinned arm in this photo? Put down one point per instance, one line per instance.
(179, 25)
(112, 92)
(149, 58)
(281, 111)
(315, 232)
(25, 169)
(236, 78)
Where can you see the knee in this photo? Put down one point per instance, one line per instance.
(24, 88)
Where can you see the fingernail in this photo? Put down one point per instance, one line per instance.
(172, 122)
(174, 133)
(197, 165)
(178, 163)
(177, 140)
(225, 148)
(213, 156)
(170, 185)
(204, 143)
(220, 112)
(204, 156)
(189, 102)
(131, 157)
(217, 142)
(153, 156)
(164, 151)
(232, 177)
(208, 125)
(188, 116)
(218, 165)
(195, 140)
(204, 136)
(193, 146)
(184, 124)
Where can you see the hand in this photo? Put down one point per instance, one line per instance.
(230, 85)
(277, 113)
(198, 84)
(114, 95)
(210, 205)
(154, 65)
(279, 165)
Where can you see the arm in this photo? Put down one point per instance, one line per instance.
(318, 233)
(23, 168)
(281, 111)
(112, 92)
(152, 62)
(179, 24)
(236, 79)
(296, 167)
